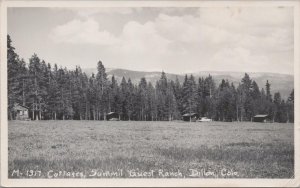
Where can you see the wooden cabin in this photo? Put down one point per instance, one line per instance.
(21, 112)
(190, 117)
(263, 118)
(112, 116)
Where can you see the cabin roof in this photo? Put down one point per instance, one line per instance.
(189, 114)
(17, 106)
(261, 115)
(110, 113)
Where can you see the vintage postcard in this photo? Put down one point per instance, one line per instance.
(150, 93)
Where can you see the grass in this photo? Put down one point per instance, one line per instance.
(253, 150)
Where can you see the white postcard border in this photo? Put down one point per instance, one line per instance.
(145, 182)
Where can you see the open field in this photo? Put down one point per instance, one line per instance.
(100, 149)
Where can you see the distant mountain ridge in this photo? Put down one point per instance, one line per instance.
(283, 83)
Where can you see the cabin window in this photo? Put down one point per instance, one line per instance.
(21, 112)
(25, 112)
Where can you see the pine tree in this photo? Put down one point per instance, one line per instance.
(53, 93)
(93, 96)
(177, 89)
(171, 104)
(201, 98)
(189, 95)
(142, 98)
(283, 115)
(16, 78)
(209, 95)
(269, 105)
(185, 96)
(152, 104)
(247, 100)
(276, 107)
(79, 103)
(85, 97)
(225, 102)
(268, 90)
(103, 100)
(36, 87)
(161, 93)
(130, 98)
(234, 102)
(290, 108)
(123, 99)
(136, 104)
(115, 100)
(255, 98)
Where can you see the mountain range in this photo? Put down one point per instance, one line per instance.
(283, 83)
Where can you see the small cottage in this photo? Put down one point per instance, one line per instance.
(190, 117)
(113, 116)
(261, 118)
(21, 112)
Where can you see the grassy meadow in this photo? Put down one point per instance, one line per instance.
(102, 149)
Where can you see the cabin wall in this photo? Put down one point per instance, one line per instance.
(22, 114)
(259, 119)
(115, 115)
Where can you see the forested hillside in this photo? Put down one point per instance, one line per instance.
(283, 83)
(54, 92)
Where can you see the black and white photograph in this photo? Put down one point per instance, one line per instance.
(190, 93)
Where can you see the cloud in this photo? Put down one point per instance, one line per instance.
(135, 37)
(236, 26)
(142, 38)
(190, 29)
(88, 12)
(278, 40)
(78, 32)
(269, 16)
(227, 38)
(238, 57)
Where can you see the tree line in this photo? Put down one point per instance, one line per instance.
(58, 93)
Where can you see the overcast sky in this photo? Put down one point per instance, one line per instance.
(177, 40)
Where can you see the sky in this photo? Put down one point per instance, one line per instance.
(175, 40)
